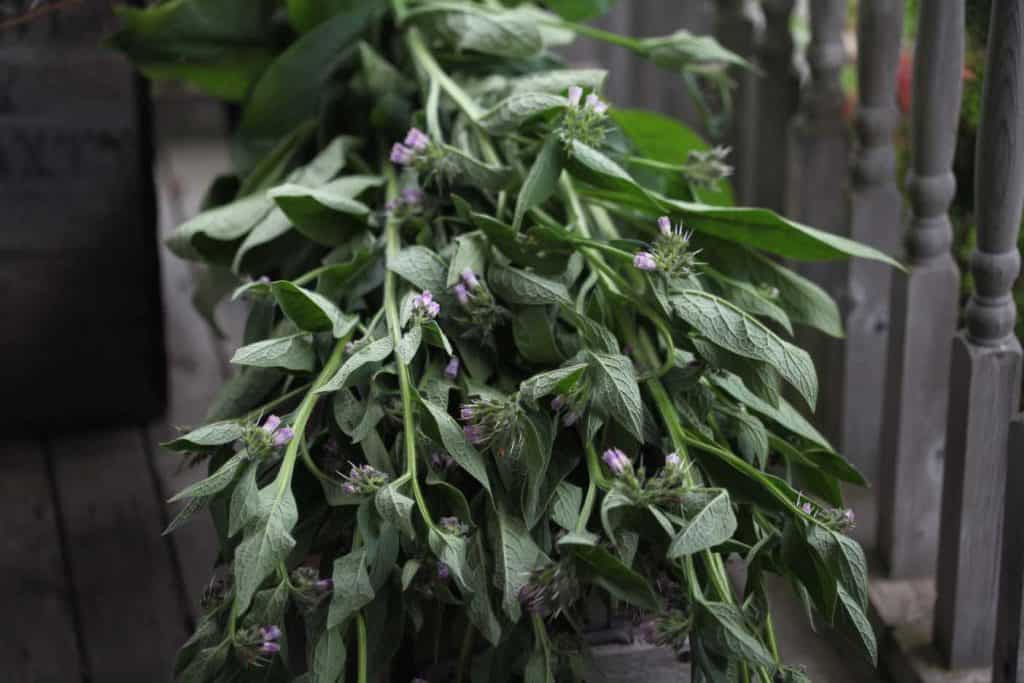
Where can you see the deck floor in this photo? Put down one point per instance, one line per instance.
(91, 591)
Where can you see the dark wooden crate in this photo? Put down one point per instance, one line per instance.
(81, 340)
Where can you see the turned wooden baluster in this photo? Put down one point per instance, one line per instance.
(985, 381)
(778, 95)
(1008, 662)
(923, 308)
(818, 190)
(876, 219)
(739, 27)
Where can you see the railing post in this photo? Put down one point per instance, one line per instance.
(740, 27)
(876, 218)
(986, 372)
(1008, 662)
(817, 189)
(923, 308)
(778, 95)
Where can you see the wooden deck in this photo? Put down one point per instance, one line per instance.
(92, 592)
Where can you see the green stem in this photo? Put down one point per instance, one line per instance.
(361, 645)
(394, 245)
(597, 34)
(596, 479)
(426, 60)
(283, 398)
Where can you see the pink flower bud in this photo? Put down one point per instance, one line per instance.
(416, 139)
(644, 260)
(665, 225)
(575, 95)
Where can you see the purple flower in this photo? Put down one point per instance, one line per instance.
(412, 196)
(401, 155)
(451, 371)
(575, 95)
(557, 403)
(594, 102)
(441, 461)
(672, 460)
(849, 516)
(271, 424)
(325, 585)
(425, 304)
(570, 418)
(393, 205)
(806, 507)
(474, 433)
(665, 225)
(417, 139)
(263, 280)
(269, 648)
(616, 460)
(443, 572)
(644, 260)
(433, 309)
(270, 632)
(348, 488)
(283, 436)
(469, 277)
(466, 413)
(349, 348)
(462, 294)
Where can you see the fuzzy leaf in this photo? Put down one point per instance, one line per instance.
(396, 508)
(311, 311)
(420, 266)
(517, 286)
(542, 179)
(456, 444)
(502, 33)
(328, 661)
(515, 556)
(726, 632)
(709, 522)
(615, 390)
(373, 352)
(267, 542)
(294, 352)
(216, 482)
(352, 589)
(209, 436)
(518, 108)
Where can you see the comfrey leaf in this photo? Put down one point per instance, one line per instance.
(479, 29)
(517, 286)
(372, 353)
(294, 352)
(311, 311)
(267, 542)
(352, 589)
(207, 437)
(216, 482)
(615, 390)
(709, 522)
(519, 108)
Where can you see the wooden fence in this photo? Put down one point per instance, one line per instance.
(925, 410)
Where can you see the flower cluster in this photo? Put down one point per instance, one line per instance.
(618, 462)
(256, 644)
(453, 526)
(308, 588)
(572, 412)
(705, 169)
(410, 199)
(411, 150)
(551, 589)
(363, 480)
(584, 120)
(479, 311)
(424, 306)
(493, 424)
(840, 519)
(672, 253)
(671, 629)
(262, 440)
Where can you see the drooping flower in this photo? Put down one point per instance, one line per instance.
(672, 460)
(416, 139)
(425, 305)
(283, 436)
(411, 196)
(617, 461)
(254, 644)
(595, 104)
(363, 480)
(443, 572)
(469, 277)
(462, 294)
(451, 371)
(575, 95)
(665, 226)
(806, 507)
(271, 424)
(474, 434)
(401, 155)
(270, 632)
(644, 260)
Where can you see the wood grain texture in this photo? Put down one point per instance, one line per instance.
(778, 97)
(130, 598)
(37, 641)
(924, 307)
(740, 28)
(986, 376)
(1008, 662)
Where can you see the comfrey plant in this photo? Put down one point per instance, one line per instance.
(510, 355)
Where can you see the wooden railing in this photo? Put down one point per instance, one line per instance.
(924, 410)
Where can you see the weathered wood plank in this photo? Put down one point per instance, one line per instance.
(1008, 663)
(740, 27)
(923, 309)
(986, 374)
(129, 594)
(39, 643)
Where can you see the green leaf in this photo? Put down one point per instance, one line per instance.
(479, 29)
(294, 352)
(516, 109)
(683, 50)
(216, 482)
(206, 666)
(534, 334)
(451, 550)
(542, 179)
(709, 522)
(517, 286)
(615, 390)
(479, 607)
(861, 624)
(352, 588)
(395, 508)
(274, 167)
(459, 168)
(328, 661)
(185, 514)
(456, 444)
(211, 436)
(267, 542)
(592, 166)
(580, 10)
(853, 568)
(611, 506)
(329, 214)
(311, 311)
(725, 325)
(608, 572)
(558, 81)
(785, 415)
(290, 89)
(212, 232)
(565, 507)
(470, 253)
(421, 267)
(245, 500)
(409, 344)
(221, 47)
(515, 556)
(540, 385)
(373, 352)
(726, 632)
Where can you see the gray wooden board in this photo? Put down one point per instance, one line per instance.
(37, 639)
(129, 594)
